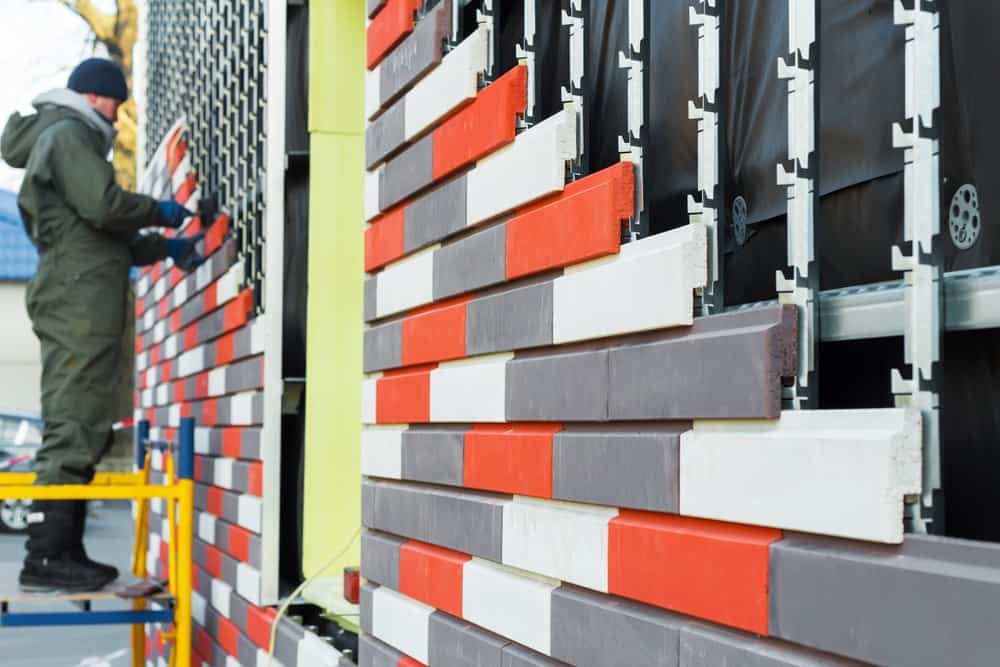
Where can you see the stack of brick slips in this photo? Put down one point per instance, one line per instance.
(561, 465)
(199, 354)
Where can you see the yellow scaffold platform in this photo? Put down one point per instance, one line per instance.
(169, 604)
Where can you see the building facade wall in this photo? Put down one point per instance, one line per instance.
(20, 355)
(564, 460)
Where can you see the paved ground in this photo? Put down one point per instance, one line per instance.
(109, 540)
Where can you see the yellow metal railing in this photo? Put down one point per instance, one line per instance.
(100, 479)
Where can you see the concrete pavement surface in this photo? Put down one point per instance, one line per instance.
(109, 540)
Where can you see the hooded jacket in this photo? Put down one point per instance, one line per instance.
(84, 225)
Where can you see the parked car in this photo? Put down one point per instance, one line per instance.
(20, 439)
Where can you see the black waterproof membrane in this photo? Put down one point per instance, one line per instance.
(606, 84)
(295, 263)
(970, 141)
(508, 38)
(294, 366)
(861, 81)
(861, 91)
(671, 158)
(855, 374)
(970, 123)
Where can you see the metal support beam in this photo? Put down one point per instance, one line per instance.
(269, 257)
(456, 22)
(574, 15)
(800, 174)
(631, 146)
(526, 55)
(704, 209)
(971, 302)
(65, 618)
(922, 226)
(488, 15)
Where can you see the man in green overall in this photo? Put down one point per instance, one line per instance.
(86, 229)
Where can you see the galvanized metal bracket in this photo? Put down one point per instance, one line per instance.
(921, 229)
(704, 208)
(799, 176)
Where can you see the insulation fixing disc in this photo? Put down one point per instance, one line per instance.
(740, 220)
(963, 217)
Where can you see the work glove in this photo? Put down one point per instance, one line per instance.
(171, 214)
(184, 252)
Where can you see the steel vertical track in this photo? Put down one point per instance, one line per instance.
(527, 54)
(574, 19)
(704, 209)
(921, 230)
(272, 264)
(489, 16)
(631, 147)
(800, 175)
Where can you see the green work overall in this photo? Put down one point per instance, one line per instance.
(86, 230)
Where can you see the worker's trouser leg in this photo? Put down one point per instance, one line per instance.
(78, 387)
(79, 374)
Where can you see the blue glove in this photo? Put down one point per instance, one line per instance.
(171, 214)
(184, 252)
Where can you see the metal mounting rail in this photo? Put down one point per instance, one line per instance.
(527, 55)
(799, 174)
(920, 258)
(574, 17)
(704, 208)
(631, 146)
(971, 301)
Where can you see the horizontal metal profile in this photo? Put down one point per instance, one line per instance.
(971, 301)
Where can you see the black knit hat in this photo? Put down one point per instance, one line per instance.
(99, 76)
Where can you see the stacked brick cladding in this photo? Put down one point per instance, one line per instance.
(200, 354)
(561, 464)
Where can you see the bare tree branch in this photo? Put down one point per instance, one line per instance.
(126, 33)
(118, 32)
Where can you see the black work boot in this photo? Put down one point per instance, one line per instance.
(76, 550)
(49, 566)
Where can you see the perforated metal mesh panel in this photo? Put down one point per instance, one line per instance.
(207, 60)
